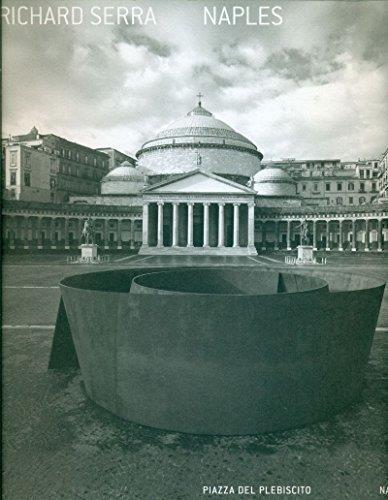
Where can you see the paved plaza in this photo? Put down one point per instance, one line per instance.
(58, 444)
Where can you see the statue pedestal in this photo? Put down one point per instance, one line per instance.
(305, 255)
(88, 251)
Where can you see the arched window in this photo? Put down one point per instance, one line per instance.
(351, 186)
(361, 200)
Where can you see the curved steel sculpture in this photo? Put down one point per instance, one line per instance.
(222, 351)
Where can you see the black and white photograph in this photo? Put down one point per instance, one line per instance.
(194, 249)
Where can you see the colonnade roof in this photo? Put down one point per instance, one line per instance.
(379, 210)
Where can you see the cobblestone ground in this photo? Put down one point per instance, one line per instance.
(58, 444)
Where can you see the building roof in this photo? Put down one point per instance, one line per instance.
(109, 148)
(173, 184)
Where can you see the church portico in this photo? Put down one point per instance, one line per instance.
(218, 219)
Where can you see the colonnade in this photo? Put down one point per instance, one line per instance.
(346, 231)
(52, 232)
(237, 222)
(55, 231)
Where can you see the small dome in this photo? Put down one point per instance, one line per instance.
(125, 171)
(274, 181)
(124, 179)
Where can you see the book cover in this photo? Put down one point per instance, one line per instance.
(194, 242)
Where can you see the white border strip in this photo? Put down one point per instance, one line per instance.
(28, 327)
(30, 287)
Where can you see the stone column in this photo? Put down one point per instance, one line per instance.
(315, 235)
(251, 225)
(263, 236)
(160, 224)
(66, 231)
(276, 244)
(132, 234)
(236, 225)
(340, 245)
(175, 223)
(366, 235)
(26, 225)
(301, 233)
(288, 235)
(79, 231)
(39, 233)
(221, 225)
(190, 208)
(328, 236)
(354, 236)
(379, 235)
(13, 232)
(119, 242)
(106, 234)
(52, 233)
(206, 225)
(145, 224)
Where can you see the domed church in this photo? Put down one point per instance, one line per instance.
(197, 181)
(200, 140)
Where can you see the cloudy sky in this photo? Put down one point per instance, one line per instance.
(314, 87)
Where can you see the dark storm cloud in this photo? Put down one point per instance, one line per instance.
(119, 84)
(126, 34)
(299, 66)
(360, 28)
(205, 71)
(230, 55)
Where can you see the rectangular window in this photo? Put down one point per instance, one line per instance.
(339, 186)
(303, 187)
(327, 187)
(367, 174)
(373, 186)
(13, 159)
(27, 179)
(13, 179)
(362, 186)
(315, 186)
(350, 200)
(361, 174)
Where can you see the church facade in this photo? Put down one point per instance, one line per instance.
(198, 187)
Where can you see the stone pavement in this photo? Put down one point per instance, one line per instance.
(58, 444)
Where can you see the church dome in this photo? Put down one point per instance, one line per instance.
(200, 123)
(200, 139)
(274, 181)
(124, 179)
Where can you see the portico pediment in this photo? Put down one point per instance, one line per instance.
(201, 183)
